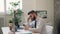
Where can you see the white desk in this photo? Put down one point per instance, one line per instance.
(5, 30)
(23, 32)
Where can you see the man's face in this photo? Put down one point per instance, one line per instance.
(32, 15)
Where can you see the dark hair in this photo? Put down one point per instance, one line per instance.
(32, 11)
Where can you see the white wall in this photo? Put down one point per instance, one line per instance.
(46, 5)
(28, 5)
(39, 5)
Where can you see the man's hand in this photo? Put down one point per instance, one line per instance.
(26, 28)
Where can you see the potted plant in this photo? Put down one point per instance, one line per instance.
(10, 24)
(16, 12)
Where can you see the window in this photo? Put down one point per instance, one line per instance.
(8, 5)
(2, 5)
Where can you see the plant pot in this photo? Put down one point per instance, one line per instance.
(10, 26)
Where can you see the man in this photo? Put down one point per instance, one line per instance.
(35, 23)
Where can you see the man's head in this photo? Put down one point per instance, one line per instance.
(32, 14)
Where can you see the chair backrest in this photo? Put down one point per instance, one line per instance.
(5, 30)
(49, 29)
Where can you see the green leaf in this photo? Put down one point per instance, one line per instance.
(18, 14)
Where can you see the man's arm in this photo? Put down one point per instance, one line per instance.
(40, 25)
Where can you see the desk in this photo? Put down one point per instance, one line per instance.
(5, 30)
(32, 33)
(24, 31)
